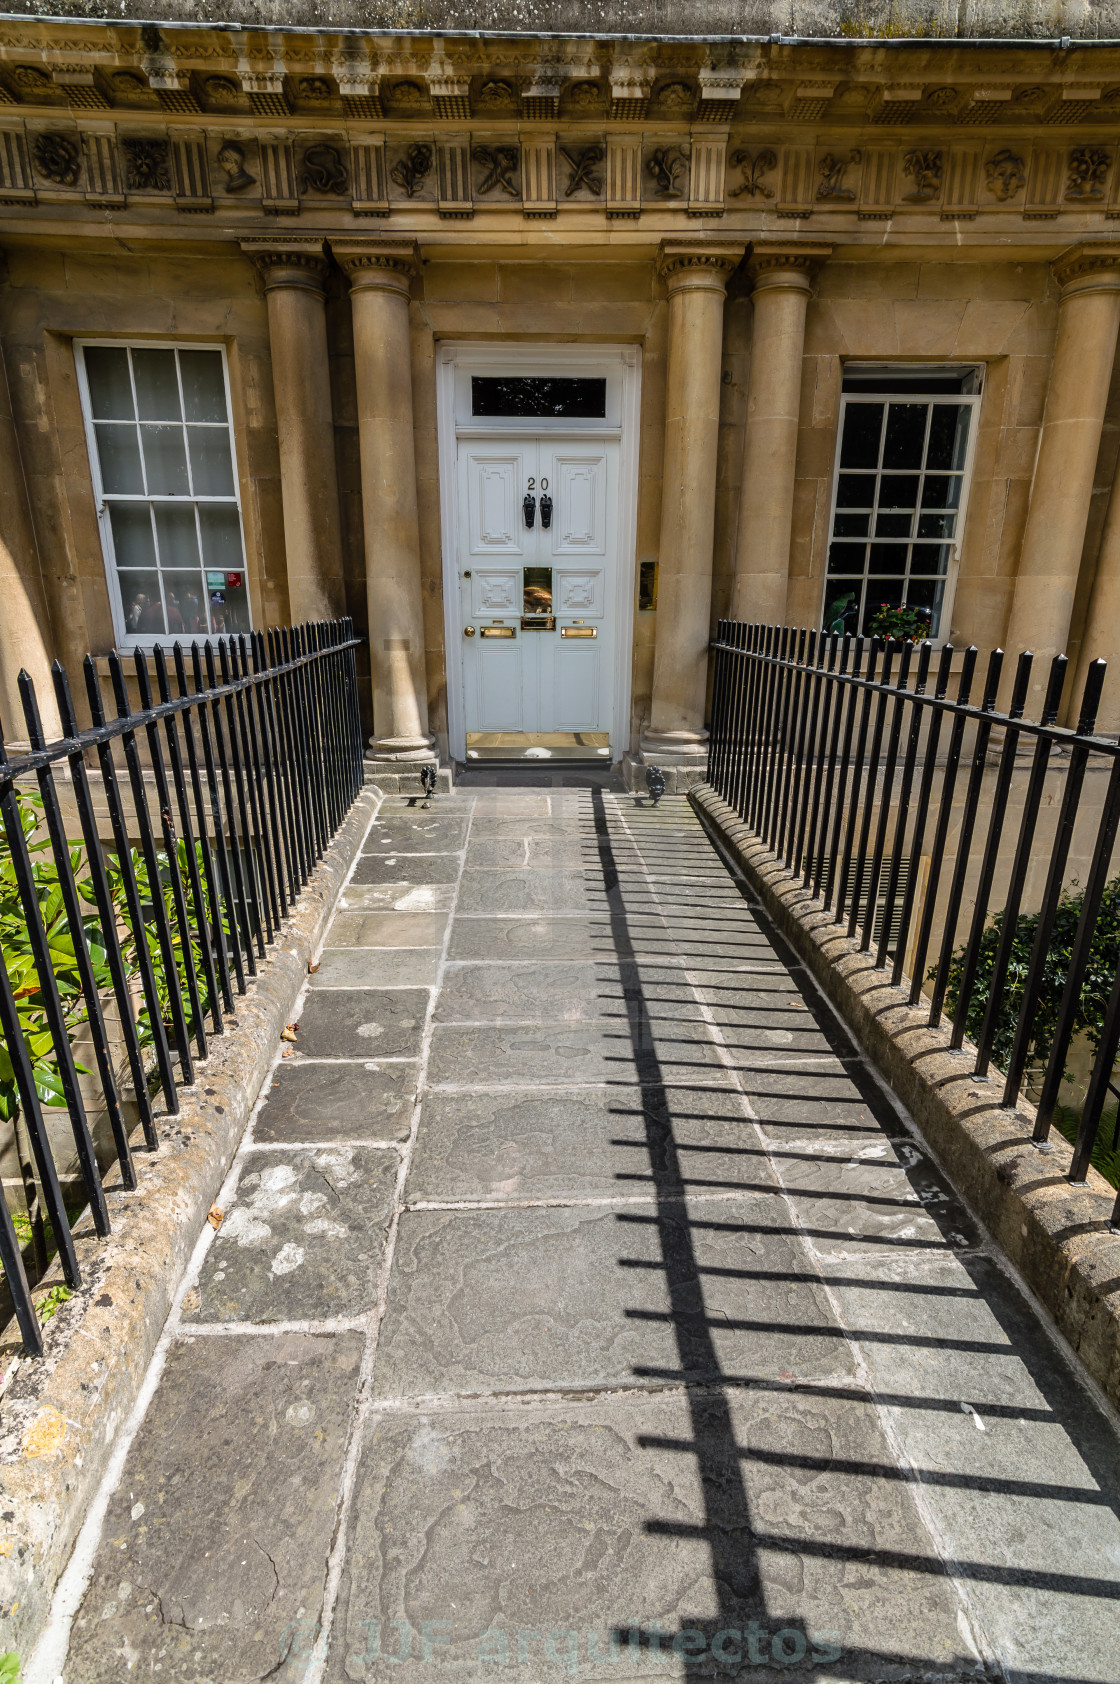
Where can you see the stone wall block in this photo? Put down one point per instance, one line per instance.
(962, 184)
(191, 173)
(538, 176)
(103, 176)
(795, 191)
(16, 184)
(624, 176)
(279, 190)
(453, 165)
(707, 178)
(1045, 180)
(369, 176)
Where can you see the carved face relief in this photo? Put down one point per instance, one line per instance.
(31, 78)
(324, 170)
(674, 96)
(406, 93)
(146, 166)
(584, 95)
(231, 159)
(316, 90)
(754, 167)
(1005, 175)
(57, 158)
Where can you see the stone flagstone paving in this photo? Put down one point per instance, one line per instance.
(583, 1309)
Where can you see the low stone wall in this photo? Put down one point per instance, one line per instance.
(61, 1414)
(1057, 1236)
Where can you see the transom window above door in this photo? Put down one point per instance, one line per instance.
(899, 492)
(161, 454)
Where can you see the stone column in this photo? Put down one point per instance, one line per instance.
(380, 275)
(783, 280)
(295, 273)
(1050, 558)
(696, 274)
(24, 625)
(1101, 638)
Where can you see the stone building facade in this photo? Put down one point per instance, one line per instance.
(537, 353)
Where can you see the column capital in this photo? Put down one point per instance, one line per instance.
(377, 264)
(705, 265)
(297, 261)
(785, 263)
(1090, 267)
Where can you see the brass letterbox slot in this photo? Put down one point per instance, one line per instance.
(578, 631)
(538, 622)
(498, 631)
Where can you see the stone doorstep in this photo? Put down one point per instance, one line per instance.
(60, 1416)
(1057, 1236)
(393, 777)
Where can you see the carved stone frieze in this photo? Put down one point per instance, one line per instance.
(754, 166)
(147, 166)
(1088, 167)
(57, 158)
(585, 169)
(924, 168)
(324, 170)
(1005, 175)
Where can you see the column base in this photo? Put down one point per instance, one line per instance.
(410, 750)
(678, 779)
(402, 777)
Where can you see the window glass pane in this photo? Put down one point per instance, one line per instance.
(204, 392)
(893, 526)
(887, 558)
(221, 538)
(228, 603)
(132, 534)
(941, 492)
(898, 491)
(211, 468)
(157, 385)
(178, 540)
(841, 612)
(119, 455)
(585, 399)
(110, 389)
(855, 491)
(937, 526)
(948, 435)
(926, 595)
(863, 424)
(906, 435)
(165, 460)
(930, 558)
(846, 558)
(186, 604)
(851, 526)
(141, 604)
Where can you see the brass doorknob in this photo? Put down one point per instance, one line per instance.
(468, 631)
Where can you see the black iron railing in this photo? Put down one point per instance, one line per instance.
(901, 807)
(145, 865)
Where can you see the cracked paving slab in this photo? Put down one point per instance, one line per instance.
(689, 1363)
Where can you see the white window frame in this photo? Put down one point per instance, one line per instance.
(829, 585)
(125, 639)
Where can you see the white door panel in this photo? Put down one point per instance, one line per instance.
(578, 591)
(578, 686)
(500, 686)
(494, 497)
(495, 593)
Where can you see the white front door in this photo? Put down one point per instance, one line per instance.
(538, 554)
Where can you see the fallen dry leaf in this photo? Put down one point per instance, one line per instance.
(312, 969)
(288, 1034)
(214, 1216)
(286, 1052)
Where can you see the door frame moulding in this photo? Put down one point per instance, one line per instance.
(547, 358)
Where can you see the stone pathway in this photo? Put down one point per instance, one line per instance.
(583, 1308)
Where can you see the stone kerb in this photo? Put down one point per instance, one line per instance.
(60, 1416)
(1056, 1235)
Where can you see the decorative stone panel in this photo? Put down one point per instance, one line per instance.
(961, 199)
(810, 100)
(16, 185)
(103, 180)
(279, 190)
(624, 176)
(453, 177)
(191, 173)
(984, 104)
(1074, 101)
(538, 176)
(450, 96)
(877, 188)
(895, 104)
(707, 178)
(1045, 180)
(266, 93)
(630, 90)
(719, 93)
(369, 177)
(796, 182)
